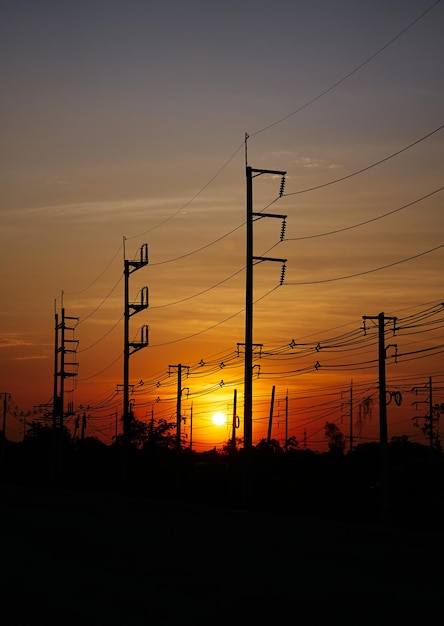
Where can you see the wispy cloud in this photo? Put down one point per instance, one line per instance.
(13, 340)
(30, 358)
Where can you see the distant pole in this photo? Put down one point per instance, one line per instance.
(233, 431)
(286, 421)
(55, 403)
(191, 427)
(3, 442)
(5, 395)
(382, 386)
(62, 370)
(179, 368)
(351, 416)
(383, 444)
(431, 416)
(82, 432)
(270, 420)
(385, 494)
(179, 406)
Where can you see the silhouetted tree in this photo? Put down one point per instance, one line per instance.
(42, 435)
(227, 448)
(160, 434)
(292, 443)
(273, 445)
(336, 439)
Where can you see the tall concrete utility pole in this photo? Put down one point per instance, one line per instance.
(129, 347)
(62, 370)
(179, 368)
(382, 355)
(250, 259)
(63, 346)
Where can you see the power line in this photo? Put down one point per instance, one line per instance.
(369, 221)
(279, 121)
(376, 269)
(368, 167)
(266, 128)
(354, 71)
(200, 293)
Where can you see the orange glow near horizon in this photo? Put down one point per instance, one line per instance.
(311, 388)
(113, 144)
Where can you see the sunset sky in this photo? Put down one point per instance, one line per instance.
(131, 123)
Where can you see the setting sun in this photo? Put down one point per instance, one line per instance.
(219, 419)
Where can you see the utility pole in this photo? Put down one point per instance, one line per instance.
(382, 355)
(179, 368)
(61, 372)
(286, 421)
(250, 259)
(234, 423)
(270, 420)
(350, 414)
(433, 417)
(191, 427)
(60, 368)
(3, 442)
(55, 397)
(130, 347)
(82, 432)
(5, 405)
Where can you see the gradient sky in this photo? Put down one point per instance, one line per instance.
(125, 123)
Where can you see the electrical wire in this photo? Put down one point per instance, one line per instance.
(371, 271)
(263, 129)
(344, 78)
(369, 221)
(367, 168)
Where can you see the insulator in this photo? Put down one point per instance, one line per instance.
(284, 226)
(281, 190)
(283, 274)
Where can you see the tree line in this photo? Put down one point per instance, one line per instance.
(339, 484)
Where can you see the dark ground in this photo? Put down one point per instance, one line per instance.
(85, 559)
